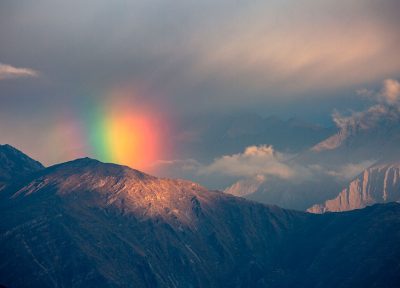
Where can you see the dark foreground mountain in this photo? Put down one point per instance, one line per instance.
(14, 165)
(89, 224)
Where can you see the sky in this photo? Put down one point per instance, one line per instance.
(118, 80)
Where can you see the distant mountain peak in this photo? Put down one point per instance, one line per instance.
(376, 127)
(14, 163)
(88, 166)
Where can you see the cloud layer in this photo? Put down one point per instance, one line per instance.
(215, 50)
(194, 57)
(11, 72)
(263, 162)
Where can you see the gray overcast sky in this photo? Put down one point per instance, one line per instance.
(63, 59)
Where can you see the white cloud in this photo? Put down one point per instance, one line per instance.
(11, 72)
(263, 161)
(255, 160)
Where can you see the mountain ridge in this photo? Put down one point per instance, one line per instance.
(85, 223)
(14, 165)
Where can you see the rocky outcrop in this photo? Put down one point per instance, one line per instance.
(377, 184)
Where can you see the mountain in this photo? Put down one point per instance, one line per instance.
(378, 184)
(370, 134)
(245, 186)
(226, 134)
(15, 164)
(202, 139)
(291, 194)
(363, 138)
(89, 224)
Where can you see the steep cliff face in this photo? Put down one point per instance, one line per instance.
(377, 184)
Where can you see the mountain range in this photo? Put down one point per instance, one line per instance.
(86, 223)
(344, 171)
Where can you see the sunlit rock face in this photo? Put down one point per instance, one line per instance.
(89, 224)
(377, 184)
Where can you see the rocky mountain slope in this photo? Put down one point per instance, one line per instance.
(245, 186)
(377, 184)
(15, 164)
(89, 224)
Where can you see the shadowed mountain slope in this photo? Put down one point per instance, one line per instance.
(89, 224)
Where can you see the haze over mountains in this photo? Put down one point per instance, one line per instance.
(202, 140)
(89, 224)
(286, 114)
(325, 169)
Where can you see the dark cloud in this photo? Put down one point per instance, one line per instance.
(194, 57)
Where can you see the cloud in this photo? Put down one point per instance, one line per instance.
(230, 57)
(11, 72)
(391, 91)
(387, 108)
(261, 49)
(260, 162)
(350, 170)
(255, 160)
(324, 45)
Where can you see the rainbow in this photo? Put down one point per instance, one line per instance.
(115, 129)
